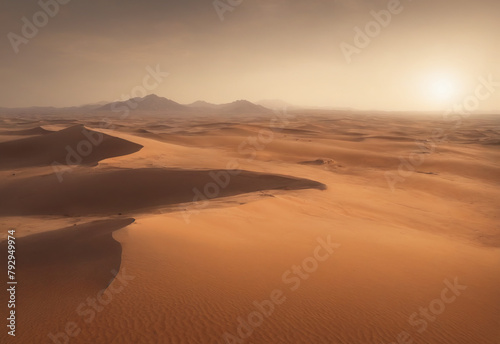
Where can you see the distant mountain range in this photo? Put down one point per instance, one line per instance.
(150, 103)
(153, 102)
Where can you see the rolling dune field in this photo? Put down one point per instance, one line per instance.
(319, 227)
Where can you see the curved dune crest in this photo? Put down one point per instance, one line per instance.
(86, 252)
(75, 145)
(59, 270)
(127, 190)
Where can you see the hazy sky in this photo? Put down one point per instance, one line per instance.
(430, 55)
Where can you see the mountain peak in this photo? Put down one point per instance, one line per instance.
(202, 103)
(242, 101)
(152, 96)
(151, 102)
(244, 107)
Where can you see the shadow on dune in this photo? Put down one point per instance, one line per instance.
(127, 190)
(75, 145)
(85, 253)
(59, 270)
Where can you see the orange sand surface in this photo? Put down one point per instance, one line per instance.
(308, 243)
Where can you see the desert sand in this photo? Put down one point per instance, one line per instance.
(123, 226)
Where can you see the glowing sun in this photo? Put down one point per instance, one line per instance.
(442, 87)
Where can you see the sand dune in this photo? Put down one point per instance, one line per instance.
(71, 146)
(60, 269)
(195, 279)
(127, 190)
(88, 253)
